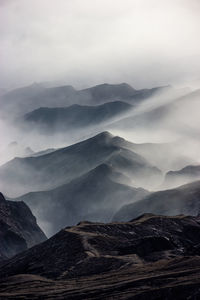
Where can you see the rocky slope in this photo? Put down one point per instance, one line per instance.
(18, 228)
(182, 200)
(151, 257)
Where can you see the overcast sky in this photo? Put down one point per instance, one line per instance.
(84, 42)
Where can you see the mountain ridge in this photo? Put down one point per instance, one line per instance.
(151, 257)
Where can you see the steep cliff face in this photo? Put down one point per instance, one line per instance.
(151, 257)
(18, 228)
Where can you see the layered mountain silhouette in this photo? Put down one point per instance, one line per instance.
(23, 100)
(18, 228)
(181, 200)
(74, 117)
(61, 166)
(104, 92)
(151, 257)
(182, 176)
(95, 196)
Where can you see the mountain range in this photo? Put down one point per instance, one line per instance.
(36, 173)
(95, 196)
(131, 208)
(74, 117)
(185, 175)
(181, 200)
(26, 99)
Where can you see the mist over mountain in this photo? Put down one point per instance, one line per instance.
(95, 196)
(18, 228)
(99, 132)
(63, 165)
(73, 117)
(181, 200)
(161, 114)
(23, 100)
(185, 175)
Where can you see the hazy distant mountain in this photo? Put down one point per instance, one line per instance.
(22, 175)
(18, 228)
(104, 92)
(182, 200)
(26, 99)
(151, 257)
(177, 104)
(183, 176)
(162, 155)
(22, 100)
(73, 117)
(95, 196)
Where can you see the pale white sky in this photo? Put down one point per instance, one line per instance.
(85, 42)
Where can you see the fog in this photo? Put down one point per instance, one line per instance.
(144, 43)
(74, 45)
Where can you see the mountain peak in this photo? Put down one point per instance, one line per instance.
(104, 134)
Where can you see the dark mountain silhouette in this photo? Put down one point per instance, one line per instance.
(95, 196)
(183, 176)
(74, 117)
(151, 257)
(18, 228)
(63, 165)
(182, 200)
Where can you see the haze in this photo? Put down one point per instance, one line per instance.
(145, 43)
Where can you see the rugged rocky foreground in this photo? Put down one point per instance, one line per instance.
(151, 257)
(18, 228)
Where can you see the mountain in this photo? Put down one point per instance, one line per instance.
(63, 165)
(18, 228)
(95, 196)
(162, 155)
(105, 92)
(170, 108)
(185, 175)
(182, 200)
(151, 257)
(23, 100)
(74, 117)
